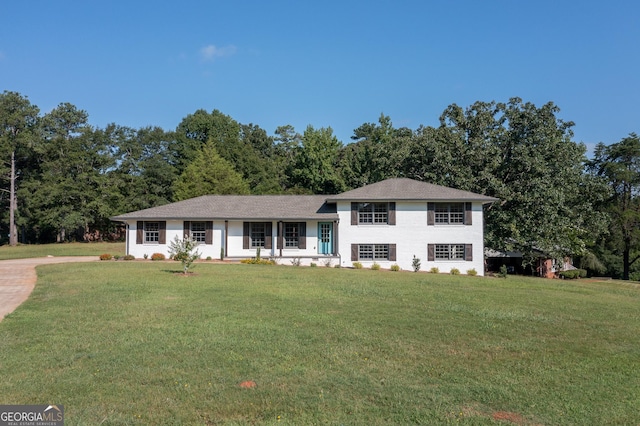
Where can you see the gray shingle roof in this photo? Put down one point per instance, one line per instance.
(233, 207)
(299, 207)
(403, 189)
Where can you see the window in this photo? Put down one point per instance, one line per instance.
(450, 252)
(373, 252)
(258, 234)
(449, 214)
(373, 213)
(198, 232)
(151, 232)
(291, 235)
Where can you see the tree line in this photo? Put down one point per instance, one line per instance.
(61, 178)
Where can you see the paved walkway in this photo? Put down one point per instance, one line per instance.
(18, 278)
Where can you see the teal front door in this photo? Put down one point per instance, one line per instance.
(325, 238)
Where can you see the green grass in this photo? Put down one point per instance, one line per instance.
(65, 249)
(135, 343)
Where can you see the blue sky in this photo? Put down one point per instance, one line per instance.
(332, 64)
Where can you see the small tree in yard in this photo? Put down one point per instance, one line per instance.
(184, 251)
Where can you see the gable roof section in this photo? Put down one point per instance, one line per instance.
(404, 189)
(240, 207)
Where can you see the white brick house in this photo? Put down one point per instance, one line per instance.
(388, 222)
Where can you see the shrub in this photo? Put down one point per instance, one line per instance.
(158, 256)
(145, 256)
(503, 271)
(395, 267)
(327, 263)
(254, 261)
(338, 266)
(184, 251)
(434, 270)
(314, 265)
(116, 256)
(454, 271)
(357, 265)
(415, 263)
(296, 261)
(375, 266)
(472, 272)
(208, 258)
(129, 257)
(573, 274)
(106, 256)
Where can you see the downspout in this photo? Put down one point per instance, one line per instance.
(126, 238)
(279, 238)
(337, 241)
(226, 237)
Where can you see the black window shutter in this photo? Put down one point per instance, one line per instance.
(245, 234)
(268, 237)
(162, 234)
(186, 228)
(354, 252)
(392, 213)
(139, 231)
(302, 236)
(431, 252)
(392, 252)
(431, 213)
(468, 214)
(354, 213)
(468, 252)
(208, 232)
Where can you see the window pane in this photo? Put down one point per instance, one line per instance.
(365, 252)
(442, 251)
(381, 252)
(365, 213)
(456, 213)
(258, 234)
(457, 251)
(291, 234)
(380, 213)
(151, 232)
(198, 231)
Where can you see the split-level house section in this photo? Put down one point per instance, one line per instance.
(387, 223)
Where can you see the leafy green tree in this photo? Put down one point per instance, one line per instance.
(619, 165)
(209, 173)
(379, 152)
(146, 165)
(246, 147)
(314, 166)
(18, 120)
(71, 187)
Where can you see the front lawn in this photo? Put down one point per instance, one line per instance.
(23, 251)
(137, 343)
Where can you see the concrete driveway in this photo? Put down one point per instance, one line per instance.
(18, 278)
